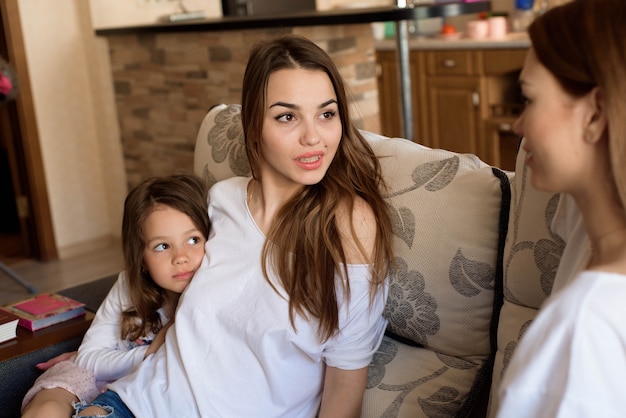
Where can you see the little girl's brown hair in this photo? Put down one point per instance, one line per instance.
(184, 192)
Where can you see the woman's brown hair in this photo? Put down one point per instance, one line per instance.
(306, 264)
(183, 192)
(583, 44)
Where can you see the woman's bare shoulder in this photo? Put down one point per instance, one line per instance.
(358, 247)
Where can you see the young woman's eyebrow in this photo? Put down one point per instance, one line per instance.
(293, 106)
(284, 104)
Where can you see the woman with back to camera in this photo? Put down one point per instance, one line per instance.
(285, 314)
(572, 361)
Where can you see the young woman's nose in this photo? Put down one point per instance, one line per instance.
(310, 135)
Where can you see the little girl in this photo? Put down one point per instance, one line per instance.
(164, 229)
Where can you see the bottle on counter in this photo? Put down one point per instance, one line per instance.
(523, 15)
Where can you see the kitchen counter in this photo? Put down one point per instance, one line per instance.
(512, 40)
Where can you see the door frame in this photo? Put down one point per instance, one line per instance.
(42, 239)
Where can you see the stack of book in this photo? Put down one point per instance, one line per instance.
(44, 310)
(8, 326)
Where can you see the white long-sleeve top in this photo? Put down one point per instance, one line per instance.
(232, 351)
(103, 350)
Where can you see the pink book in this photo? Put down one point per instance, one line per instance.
(44, 310)
(42, 304)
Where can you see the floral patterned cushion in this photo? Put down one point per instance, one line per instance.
(220, 150)
(531, 257)
(447, 213)
(407, 381)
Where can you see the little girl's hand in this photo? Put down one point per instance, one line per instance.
(61, 357)
(159, 339)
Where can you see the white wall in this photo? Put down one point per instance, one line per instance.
(78, 129)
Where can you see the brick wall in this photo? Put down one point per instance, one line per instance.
(166, 82)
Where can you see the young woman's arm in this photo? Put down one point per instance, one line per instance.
(343, 392)
(359, 249)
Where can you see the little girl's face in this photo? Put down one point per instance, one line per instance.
(174, 248)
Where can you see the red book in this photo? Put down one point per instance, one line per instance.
(8, 326)
(44, 310)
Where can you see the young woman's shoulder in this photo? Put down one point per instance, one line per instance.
(230, 184)
(360, 246)
(225, 190)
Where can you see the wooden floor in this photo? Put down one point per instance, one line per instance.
(58, 275)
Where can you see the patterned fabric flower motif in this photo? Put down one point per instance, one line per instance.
(410, 310)
(546, 252)
(512, 346)
(446, 402)
(385, 354)
(227, 141)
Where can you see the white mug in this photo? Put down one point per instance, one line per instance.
(497, 26)
(477, 29)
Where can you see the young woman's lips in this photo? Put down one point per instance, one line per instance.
(310, 161)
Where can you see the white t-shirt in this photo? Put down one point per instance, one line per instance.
(572, 360)
(102, 350)
(232, 351)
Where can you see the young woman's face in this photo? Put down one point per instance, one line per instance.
(301, 129)
(174, 248)
(553, 123)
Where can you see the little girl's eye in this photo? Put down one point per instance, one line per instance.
(194, 240)
(161, 247)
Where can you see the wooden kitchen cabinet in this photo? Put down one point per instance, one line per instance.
(388, 98)
(463, 100)
(453, 117)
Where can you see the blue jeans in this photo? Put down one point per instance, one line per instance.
(110, 402)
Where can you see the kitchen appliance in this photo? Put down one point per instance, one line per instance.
(265, 7)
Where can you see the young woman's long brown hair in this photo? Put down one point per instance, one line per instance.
(303, 244)
(591, 54)
(183, 192)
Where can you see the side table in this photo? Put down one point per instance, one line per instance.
(28, 341)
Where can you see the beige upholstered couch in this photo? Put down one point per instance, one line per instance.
(475, 260)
